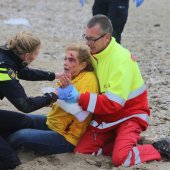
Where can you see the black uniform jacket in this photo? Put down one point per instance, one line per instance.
(14, 91)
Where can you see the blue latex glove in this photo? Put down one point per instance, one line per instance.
(73, 96)
(63, 92)
(82, 2)
(68, 94)
(138, 2)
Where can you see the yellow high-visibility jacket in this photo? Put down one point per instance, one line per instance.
(124, 94)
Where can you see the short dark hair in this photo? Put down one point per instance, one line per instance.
(103, 21)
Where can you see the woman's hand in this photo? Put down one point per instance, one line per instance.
(64, 79)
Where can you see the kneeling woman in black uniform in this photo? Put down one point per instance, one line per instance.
(15, 55)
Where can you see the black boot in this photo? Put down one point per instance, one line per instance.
(12, 162)
(163, 146)
(8, 157)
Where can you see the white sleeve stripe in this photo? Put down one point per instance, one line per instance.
(92, 102)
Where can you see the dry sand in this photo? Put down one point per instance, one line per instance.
(59, 23)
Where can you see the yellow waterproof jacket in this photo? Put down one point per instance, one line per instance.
(66, 124)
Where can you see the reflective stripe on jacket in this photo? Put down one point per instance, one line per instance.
(7, 74)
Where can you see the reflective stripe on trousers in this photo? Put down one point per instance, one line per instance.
(105, 125)
(98, 153)
(137, 157)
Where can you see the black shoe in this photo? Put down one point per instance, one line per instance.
(163, 146)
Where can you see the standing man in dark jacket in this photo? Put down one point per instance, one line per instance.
(116, 11)
(15, 55)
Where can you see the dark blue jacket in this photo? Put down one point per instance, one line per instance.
(14, 91)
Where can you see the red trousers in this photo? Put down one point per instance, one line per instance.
(120, 143)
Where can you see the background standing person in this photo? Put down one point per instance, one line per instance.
(120, 111)
(19, 51)
(116, 11)
(60, 131)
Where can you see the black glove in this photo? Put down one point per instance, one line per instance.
(52, 96)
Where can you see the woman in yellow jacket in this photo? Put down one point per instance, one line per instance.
(60, 131)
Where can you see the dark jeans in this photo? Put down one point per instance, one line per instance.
(41, 139)
(10, 122)
(116, 11)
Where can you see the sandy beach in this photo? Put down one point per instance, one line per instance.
(58, 23)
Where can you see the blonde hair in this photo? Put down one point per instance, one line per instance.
(23, 42)
(83, 55)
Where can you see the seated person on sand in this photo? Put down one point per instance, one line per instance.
(60, 131)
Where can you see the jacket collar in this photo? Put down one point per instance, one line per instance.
(77, 78)
(106, 51)
(16, 59)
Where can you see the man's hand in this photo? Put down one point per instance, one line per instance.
(68, 94)
(138, 2)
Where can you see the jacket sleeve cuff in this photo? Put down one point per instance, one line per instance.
(51, 76)
(51, 97)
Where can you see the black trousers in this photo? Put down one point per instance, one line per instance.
(116, 11)
(11, 122)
